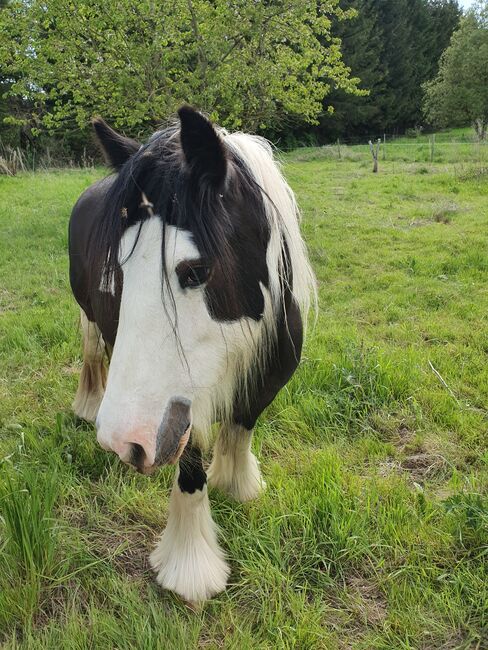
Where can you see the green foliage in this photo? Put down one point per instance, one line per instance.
(444, 20)
(27, 506)
(278, 67)
(297, 71)
(363, 51)
(471, 520)
(393, 47)
(7, 107)
(458, 95)
(249, 64)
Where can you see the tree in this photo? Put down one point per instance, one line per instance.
(459, 93)
(249, 64)
(362, 49)
(7, 134)
(444, 20)
(393, 46)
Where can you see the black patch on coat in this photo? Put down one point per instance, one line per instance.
(284, 357)
(85, 270)
(192, 475)
(204, 150)
(233, 290)
(116, 148)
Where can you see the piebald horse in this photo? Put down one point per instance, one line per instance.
(194, 281)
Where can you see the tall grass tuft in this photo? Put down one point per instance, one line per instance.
(27, 511)
(28, 539)
(12, 160)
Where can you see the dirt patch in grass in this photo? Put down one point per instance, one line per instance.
(133, 560)
(475, 174)
(369, 604)
(405, 222)
(7, 301)
(455, 642)
(418, 223)
(128, 550)
(363, 609)
(397, 428)
(387, 467)
(124, 546)
(55, 600)
(72, 369)
(444, 212)
(419, 467)
(424, 466)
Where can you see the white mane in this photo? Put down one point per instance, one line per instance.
(284, 219)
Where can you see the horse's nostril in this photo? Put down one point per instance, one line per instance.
(137, 456)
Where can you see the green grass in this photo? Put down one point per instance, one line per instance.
(373, 532)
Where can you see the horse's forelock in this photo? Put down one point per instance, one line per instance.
(158, 170)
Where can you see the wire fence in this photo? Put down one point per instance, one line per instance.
(461, 148)
(434, 149)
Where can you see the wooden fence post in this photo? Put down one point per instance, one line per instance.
(374, 152)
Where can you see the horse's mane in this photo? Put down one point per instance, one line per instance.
(283, 216)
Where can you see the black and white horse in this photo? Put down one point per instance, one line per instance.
(192, 276)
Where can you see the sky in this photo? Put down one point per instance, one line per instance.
(466, 3)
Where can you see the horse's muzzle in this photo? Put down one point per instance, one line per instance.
(172, 437)
(146, 450)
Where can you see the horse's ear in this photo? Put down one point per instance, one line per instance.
(116, 148)
(203, 148)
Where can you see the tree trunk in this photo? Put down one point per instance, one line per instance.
(480, 126)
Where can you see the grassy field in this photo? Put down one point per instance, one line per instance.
(373, 532)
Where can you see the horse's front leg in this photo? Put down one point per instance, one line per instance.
(93, 378)
(234, 468)
(188, 559)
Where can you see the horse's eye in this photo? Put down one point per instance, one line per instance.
(193, 275)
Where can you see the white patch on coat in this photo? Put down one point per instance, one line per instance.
(188, 559)
(234, 468)
(164, 350)
(107, 284)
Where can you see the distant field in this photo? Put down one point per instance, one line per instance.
(458, 147)
(373, 532)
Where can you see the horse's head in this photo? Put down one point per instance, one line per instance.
(196, 222)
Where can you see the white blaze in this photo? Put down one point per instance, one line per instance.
(150, 364)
